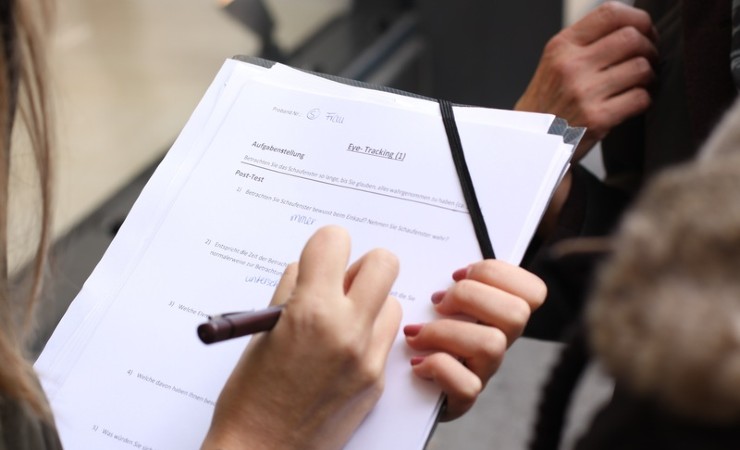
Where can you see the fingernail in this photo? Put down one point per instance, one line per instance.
(415, 360)
(412, 330)
(460, 274)
(437, 297)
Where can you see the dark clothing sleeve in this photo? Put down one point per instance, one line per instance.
(591, 210)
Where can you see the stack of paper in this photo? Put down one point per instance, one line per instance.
(269, 155)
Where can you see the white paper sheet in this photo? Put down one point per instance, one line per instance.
(258, 168)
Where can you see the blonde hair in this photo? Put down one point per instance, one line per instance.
(22, 98)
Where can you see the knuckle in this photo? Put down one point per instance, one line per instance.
(381, 257)
(536, 291)
(560, 57)
(519, 315)
(581, 93)
(493, 348)
(555, 44)
(370, 376)
(468, 394)
(595, 117)
(566, 69)
(310, 315)
(495, 267)
(539, 293)
(431, 332)
(608, 12)
(495, 271)
(462, 291)
(641, 100)
(630, 37)
(642, 67)
(485, 270)
(348, 347)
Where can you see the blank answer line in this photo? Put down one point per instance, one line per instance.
(354, 188)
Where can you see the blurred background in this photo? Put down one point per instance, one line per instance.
(127, 74)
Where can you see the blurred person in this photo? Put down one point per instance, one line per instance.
(649, 82)
(663, 316)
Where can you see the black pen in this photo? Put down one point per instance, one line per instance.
(238, 324)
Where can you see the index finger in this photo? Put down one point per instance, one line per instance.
(323, 262)
(286, 285)
(509, 278)
(369, 280)
(606, 19)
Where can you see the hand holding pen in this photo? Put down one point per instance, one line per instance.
(459, 356)
(324, 360)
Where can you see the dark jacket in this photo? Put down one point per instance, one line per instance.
(694, 87)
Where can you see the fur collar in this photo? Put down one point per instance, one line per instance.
(665, 315)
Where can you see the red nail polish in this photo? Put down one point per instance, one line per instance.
(412, 330)
(437, 297)
(415, 360)
(460, 274)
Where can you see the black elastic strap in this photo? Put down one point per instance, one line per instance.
(453, 136)
(735, 46)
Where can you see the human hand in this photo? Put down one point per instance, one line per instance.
(310, 381)
(462, 356)
(595, 73)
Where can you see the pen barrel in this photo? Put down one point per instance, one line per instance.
(235, 325)
(215, 330)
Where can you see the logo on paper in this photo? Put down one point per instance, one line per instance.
(314, 113)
